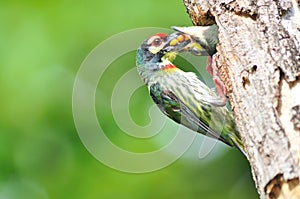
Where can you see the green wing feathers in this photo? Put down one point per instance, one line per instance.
(208, 123)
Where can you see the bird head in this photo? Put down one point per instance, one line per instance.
(151, 50)
(160, 46)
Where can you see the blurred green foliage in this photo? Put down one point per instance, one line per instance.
(41, 156)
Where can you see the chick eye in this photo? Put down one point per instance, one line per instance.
(156, 42)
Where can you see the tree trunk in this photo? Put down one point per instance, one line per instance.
(258, 59)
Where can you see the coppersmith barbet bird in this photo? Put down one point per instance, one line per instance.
(181, 95)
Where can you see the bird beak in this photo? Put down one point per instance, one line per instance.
(182, 42)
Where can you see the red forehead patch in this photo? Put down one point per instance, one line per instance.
(161, 35)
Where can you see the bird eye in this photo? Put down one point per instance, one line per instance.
(156, 42)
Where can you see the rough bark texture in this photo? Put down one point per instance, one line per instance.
(258, 60)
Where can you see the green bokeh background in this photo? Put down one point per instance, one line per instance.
(42, 46)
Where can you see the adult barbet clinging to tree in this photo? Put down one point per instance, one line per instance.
(181, 95)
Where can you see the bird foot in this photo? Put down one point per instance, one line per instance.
(211, 68)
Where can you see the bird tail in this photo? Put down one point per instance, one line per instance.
(238, 143)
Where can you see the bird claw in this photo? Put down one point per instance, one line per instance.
(221, 89)
(209, 65)
(211, 68)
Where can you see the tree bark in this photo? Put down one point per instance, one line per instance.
(258, 59)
